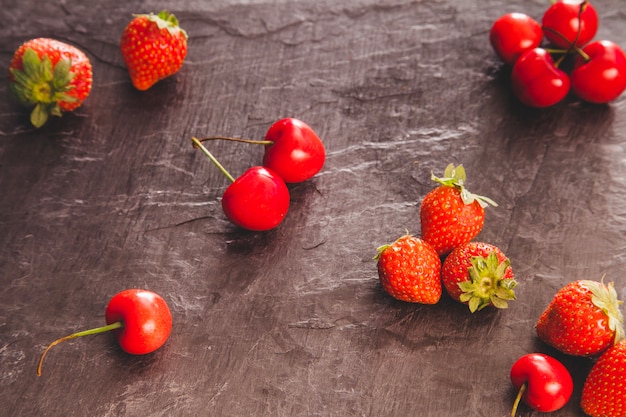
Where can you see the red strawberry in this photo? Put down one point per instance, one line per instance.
(450, 214)
(153, 47)
(409, 270)
(49, 76)
(479, 274)
(604, 391)
(583, 319)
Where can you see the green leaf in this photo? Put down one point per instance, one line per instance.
(46, 69)
(39, 115)
(62, 74)
(31, 64)
(498, 302)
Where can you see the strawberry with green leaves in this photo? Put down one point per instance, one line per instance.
(583, 319)
(409, 269)
(604, 391)
(49, 76)
(450, 215)
(154, 47)
(479, 274)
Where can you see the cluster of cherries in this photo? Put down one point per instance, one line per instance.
(259, 199)
(543, 75)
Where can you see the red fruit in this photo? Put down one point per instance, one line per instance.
(408, 270)
(296, 152)
(258, 200)
(604, 391)
(583, 319)
(570, 22)
(146, 319)
(479, 275)
(49, 76)
(599, 75)
(536, 81)
(450, 215)
(140, 319)
(154, 47)
(513, 34)
(543, 383)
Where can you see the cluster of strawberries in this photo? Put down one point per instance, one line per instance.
(475, 273)
(583, 319)
(52, 77)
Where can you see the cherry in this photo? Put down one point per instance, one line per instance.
(599, 73)
(513, 34)
(543, 383)
(569, 23)
(258, 200)
(536, 80)
(292, 149)
(295, 152)
(140, 319)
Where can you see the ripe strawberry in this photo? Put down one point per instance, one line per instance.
(50, 76)
(153, 47)
(450, 214)
(604, 391)
(583, 319)
(409, 270)
(479, 274)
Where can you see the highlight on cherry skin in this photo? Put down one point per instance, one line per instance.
(292, 149)
(257, 201)
(543, 383)
(140, 320)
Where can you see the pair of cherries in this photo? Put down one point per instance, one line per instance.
(597, 73)
(259, 199)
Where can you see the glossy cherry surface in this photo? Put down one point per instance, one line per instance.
(296, 152)
(536, 81)
(543, 382)
(145, 317)
(602, 77)
(258, 200)
(568, 22)
(514, 33)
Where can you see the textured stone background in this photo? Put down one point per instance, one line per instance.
(291, 322)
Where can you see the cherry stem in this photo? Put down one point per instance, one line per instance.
(98, 330)
(518, 399)
(212, 158)
(252, 141)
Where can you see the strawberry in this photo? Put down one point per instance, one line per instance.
(153, 47)
(604, 391)
(50, 77)
(409, 270)
(479, 275)
(583, 319)
(450, 214)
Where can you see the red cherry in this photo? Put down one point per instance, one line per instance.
(537, 82)
(513, 34)
(146, 318)
(258, 200)
(140, 319)
(600, 76)
(296, 152)
(570, 22)
(543, 383)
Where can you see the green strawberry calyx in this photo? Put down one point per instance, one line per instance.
(42, 85)
(165, 20)
(454, 176)
(487, 285)
(605, 298)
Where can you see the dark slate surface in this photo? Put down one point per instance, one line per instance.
(291, 322)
